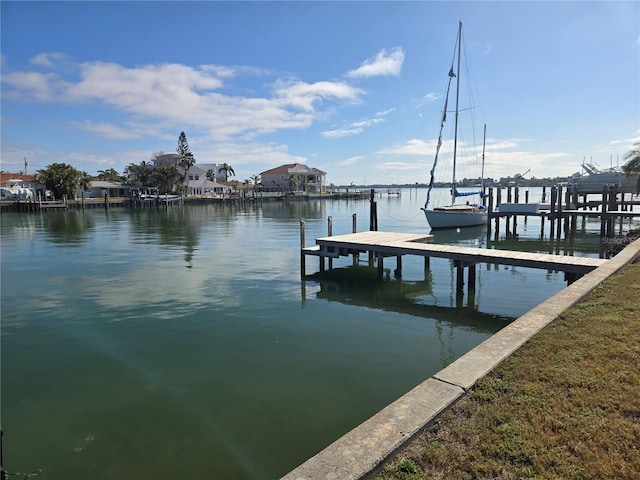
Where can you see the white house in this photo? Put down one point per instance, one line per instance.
(294, 177)
(198, 184)
(100, 188)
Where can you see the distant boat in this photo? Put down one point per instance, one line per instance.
(156, 198)
(592, 179)
(16, 191)
(455, 215)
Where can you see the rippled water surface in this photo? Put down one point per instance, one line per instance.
(182, 343)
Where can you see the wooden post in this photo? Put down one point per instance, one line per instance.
(303, 262)
(559, 205)
(398, 271)
(459, 276)
(498, 202)
(372, 220)
(552, 212)
(472, 284)
(613, 205)
(330, 234)
(472, 276)
(380, 258)
(355, 256)
(603, 210)
(490, 212)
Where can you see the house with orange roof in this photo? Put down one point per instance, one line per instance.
(294, 177)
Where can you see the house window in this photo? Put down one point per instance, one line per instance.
(197, 176)
(190, 176)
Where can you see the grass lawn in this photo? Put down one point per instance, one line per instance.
(565, 405)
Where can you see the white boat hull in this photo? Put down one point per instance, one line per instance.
(455, 217)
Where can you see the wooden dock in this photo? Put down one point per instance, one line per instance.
(563, 210)
(388, 244)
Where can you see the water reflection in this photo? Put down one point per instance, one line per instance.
(468, 236)
(67, 228)
(360, 286)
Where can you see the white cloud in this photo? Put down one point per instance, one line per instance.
(25, 86)
(342, 132)
(383, 64)
(410, 147)
(176, 94)
(48, 60)
(357, 127)
(107, 130)
(303, 95)
(351, 161)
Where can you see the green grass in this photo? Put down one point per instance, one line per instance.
(566, 405)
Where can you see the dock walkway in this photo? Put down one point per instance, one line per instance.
(385, 244)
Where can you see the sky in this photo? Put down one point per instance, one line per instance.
(354, 88)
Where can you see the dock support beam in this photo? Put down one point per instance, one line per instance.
(303, 257)
(398, 271)
(459, 276)
(380, 259)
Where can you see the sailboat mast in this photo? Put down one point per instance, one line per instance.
(455, 134)
(484, 141)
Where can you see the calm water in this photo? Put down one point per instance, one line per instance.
(182, 343)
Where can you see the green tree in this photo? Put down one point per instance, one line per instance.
(63, 180)
(187, 160)
(140, 175)
(256, 180)
(293, 182)
(228, 171)
(632, 166)
(85, 181)
(211, 175)
(166, 179)
(110, 174)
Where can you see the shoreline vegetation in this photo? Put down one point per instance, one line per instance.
(565, 405)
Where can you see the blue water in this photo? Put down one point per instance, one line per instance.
(183, 343)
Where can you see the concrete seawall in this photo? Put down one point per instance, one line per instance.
(359, 452)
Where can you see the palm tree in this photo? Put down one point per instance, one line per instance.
(228, 170)
(109, 174)
(255, 179)
(632, 166)
(292, 182)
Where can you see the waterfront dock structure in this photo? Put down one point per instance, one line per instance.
(562, 211)
(388, 244)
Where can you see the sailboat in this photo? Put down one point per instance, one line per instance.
(455, 215)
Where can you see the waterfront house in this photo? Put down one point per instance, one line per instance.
(197, 184)
(294, 177)
(12, 183)
(100, 188)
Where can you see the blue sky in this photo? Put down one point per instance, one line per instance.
(353, 88)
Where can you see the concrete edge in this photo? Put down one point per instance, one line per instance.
(362, 450)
